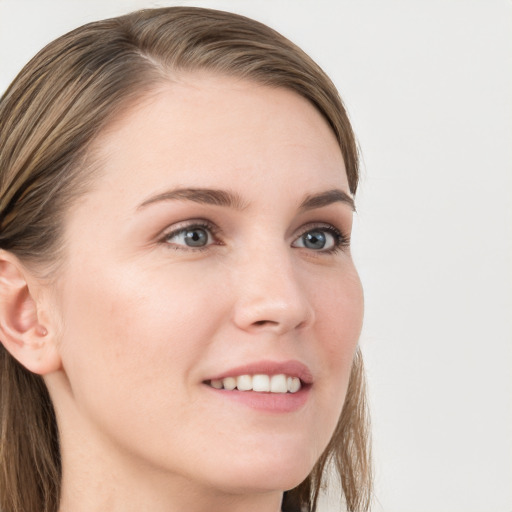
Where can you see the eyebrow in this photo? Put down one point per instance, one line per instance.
(326, 198)
(199, 195)
(232, 200)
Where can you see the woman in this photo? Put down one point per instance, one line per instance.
(180, 311)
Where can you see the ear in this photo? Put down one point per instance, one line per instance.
(21, 332)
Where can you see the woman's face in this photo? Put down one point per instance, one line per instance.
(214, 244)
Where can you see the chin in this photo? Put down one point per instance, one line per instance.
(266, 474)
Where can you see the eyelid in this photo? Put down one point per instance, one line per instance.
(341, 240)
(176, 229)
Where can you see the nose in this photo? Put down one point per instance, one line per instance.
(270, 296)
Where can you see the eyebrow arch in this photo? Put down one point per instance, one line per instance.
(232, 200)
(199, 195)
(326, 198)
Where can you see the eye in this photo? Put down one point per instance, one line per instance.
(321, 239)
(193, 236)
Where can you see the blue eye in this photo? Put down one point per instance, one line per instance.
(190, 236)
(314, 240)
(321, 239)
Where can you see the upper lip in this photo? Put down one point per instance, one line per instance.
(290, 368)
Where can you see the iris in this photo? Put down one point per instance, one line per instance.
(314, 240)
(196, 237)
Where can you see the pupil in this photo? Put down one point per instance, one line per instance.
(196, 238)
(314, 240)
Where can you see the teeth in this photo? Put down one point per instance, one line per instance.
(293, 384)
(217, 384)
(278, 384)
(260, 383)
(229, 383)
(244, 383)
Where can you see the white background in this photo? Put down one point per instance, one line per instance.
(428, 87)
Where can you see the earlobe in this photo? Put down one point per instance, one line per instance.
(20, 330)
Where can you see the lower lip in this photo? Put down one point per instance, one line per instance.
(266, 402)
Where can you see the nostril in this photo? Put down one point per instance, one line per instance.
(265, 322)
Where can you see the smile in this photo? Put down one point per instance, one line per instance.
(262, 383)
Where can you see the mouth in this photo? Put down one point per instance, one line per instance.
(268, 386)
(260, 382)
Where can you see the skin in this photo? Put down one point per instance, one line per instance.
(139, 320)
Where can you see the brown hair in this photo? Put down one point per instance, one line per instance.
(49, 117)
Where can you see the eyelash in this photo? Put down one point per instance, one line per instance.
(213, 230)
(341, 241)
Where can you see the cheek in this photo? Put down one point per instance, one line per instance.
(339, 312)
(339, 318)
(131, 344)
(126, 332)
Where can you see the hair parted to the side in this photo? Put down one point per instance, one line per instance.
(49, 117)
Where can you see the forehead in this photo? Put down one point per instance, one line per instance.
(202, 130)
